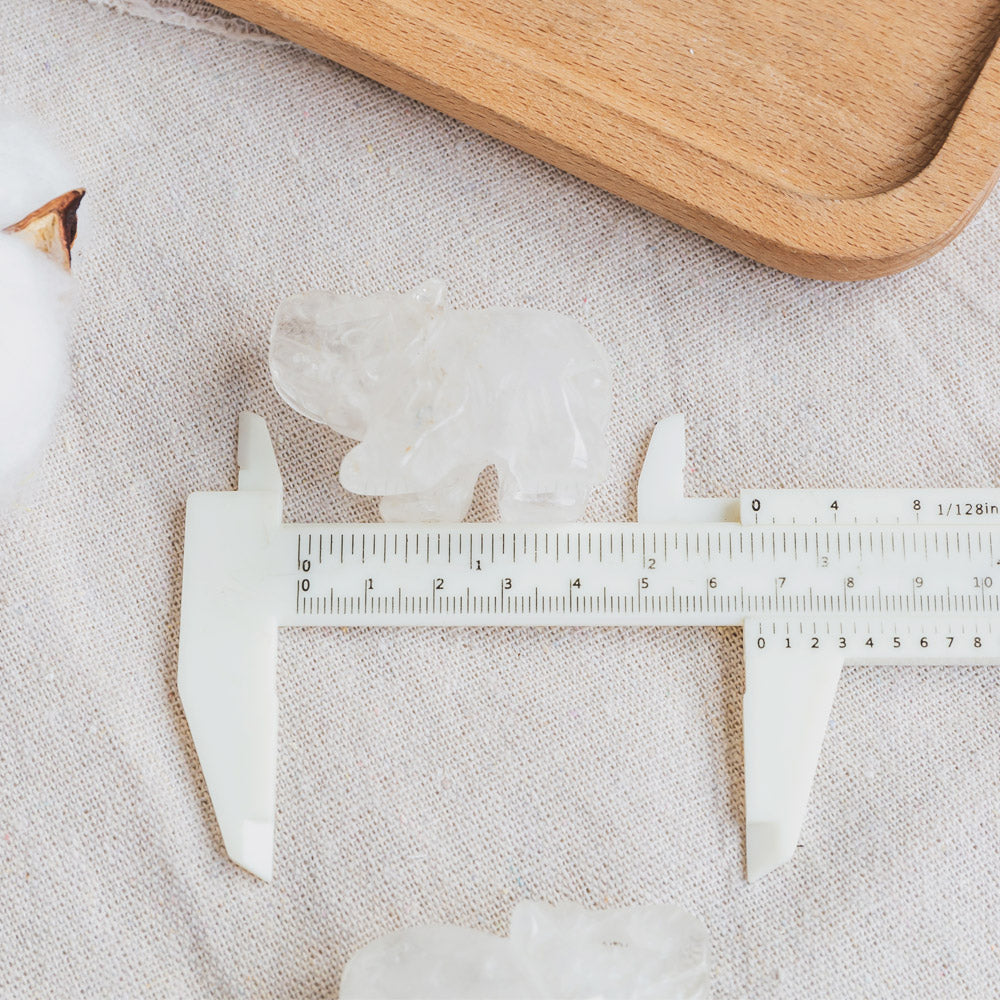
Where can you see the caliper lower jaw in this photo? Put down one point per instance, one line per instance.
(786, 708)
(226, 658)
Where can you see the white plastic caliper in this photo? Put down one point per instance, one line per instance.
(816, 578)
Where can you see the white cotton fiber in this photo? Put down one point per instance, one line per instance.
(36, 306)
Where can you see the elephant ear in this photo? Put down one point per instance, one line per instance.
(319, 346)
(339, 359)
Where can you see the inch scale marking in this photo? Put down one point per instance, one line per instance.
(816, 578)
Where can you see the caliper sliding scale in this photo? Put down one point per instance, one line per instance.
(816, 578)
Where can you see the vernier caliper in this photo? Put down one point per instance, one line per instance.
(816, 578)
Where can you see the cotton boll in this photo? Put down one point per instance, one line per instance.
(32, 169)
(36, 313)
(36, 306)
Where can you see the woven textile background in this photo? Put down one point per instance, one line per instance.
(440, 776)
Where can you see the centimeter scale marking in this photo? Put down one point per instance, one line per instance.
(614, 574)
(816, 578)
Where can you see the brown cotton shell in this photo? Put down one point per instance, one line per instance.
(51, 228)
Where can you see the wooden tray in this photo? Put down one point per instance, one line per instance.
(830, 138)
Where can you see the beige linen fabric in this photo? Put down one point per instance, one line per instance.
(442, 775)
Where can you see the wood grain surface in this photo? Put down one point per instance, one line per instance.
(836, 139)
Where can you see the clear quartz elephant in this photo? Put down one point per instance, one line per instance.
(435, 395)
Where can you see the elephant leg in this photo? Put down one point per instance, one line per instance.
(551, 457)
(542, 499)
(448, 500)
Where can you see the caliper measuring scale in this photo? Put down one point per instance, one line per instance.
(816, 578)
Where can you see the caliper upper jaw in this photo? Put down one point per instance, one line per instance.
(660, 495)
(226, 659)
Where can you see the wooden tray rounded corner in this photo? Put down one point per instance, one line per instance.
(836, 139)
(882, 233)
